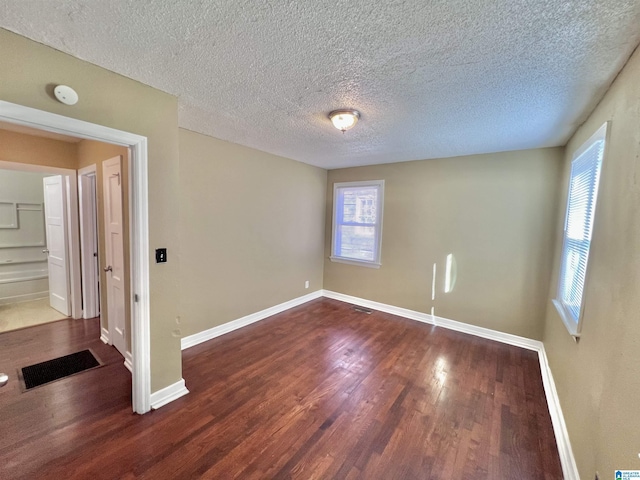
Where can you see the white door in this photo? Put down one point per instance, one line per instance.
(56, 232)
(113, 220)
(89, 243)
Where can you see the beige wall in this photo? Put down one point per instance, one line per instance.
(94, 153)
(252, 230)
(493, 212)
(22, 148)
(598, 379)
(28, 71)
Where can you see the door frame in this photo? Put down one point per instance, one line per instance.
(138, 229)
(87, 191)
(73, 239)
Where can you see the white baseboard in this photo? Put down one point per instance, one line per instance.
(489, 334)
(27, 297)
(214, 332)
(382, 307)
(128, 361)
(569, 468)
(568, 461)
(168, 394)
(104, 336)
(439, 321)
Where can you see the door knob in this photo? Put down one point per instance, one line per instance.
(108, 269)
(46, 250)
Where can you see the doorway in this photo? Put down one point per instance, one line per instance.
(37, 272)
(138, 237)
(26, 278)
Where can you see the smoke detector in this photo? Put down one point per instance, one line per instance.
(66, 95)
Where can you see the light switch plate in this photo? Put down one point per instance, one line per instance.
(161, 255)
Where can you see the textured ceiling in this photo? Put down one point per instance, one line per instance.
(431, 78)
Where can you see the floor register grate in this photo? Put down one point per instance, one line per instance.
(62, 367)
(358, 308)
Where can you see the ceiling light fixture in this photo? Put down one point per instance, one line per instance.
(344, 119)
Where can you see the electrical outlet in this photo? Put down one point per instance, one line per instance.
(306, 284)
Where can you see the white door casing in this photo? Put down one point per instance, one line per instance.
(56, 232)
(114, 252)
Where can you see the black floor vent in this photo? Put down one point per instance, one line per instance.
(52, 370)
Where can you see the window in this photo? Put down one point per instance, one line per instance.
(578, 227)
(357, 222)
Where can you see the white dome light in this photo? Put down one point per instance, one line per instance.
(344, 119)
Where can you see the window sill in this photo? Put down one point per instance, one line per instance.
(358, 263)
(572, 327)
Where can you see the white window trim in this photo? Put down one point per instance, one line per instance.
(573, 327)
(380, 207)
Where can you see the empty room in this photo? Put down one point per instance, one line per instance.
(318, 240)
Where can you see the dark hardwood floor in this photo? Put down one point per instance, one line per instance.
(319, 391)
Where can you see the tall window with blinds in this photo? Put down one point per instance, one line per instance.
(578, 229)
(357, 222)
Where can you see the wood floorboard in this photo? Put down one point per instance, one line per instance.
(317, 392)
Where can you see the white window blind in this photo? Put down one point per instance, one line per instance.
(578, 228)
(357, 222)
